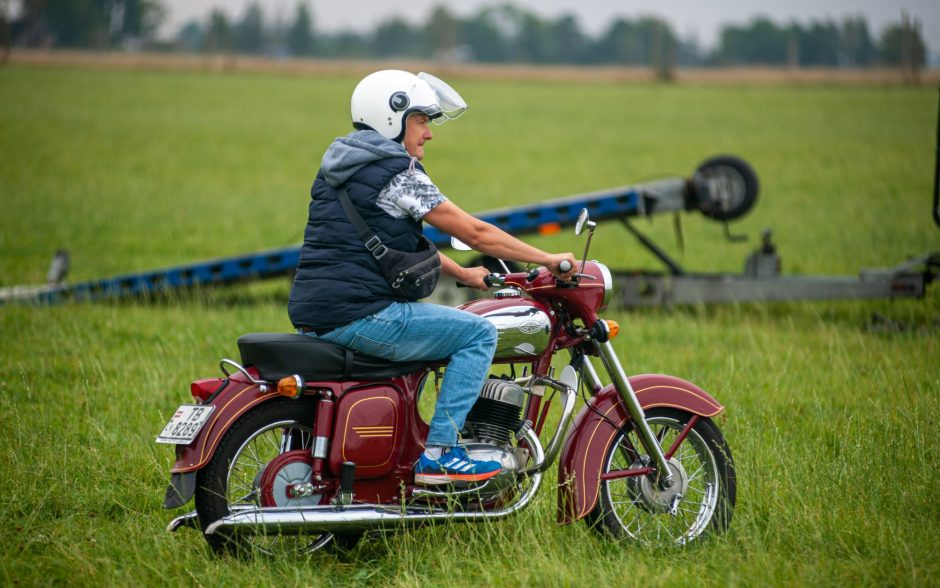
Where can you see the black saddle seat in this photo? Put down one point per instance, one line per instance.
(277, 355)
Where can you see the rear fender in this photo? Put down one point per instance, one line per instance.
(583, 454)
(237, 398)
(231, 402)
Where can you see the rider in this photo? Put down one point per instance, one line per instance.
(339, 294)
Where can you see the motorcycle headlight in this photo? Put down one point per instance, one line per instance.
(608, 284)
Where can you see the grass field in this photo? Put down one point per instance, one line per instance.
(832, 420)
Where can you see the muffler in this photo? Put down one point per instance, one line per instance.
(331, 519)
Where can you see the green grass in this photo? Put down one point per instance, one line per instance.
(833, 422)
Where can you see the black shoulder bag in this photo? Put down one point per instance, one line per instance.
(411, 275)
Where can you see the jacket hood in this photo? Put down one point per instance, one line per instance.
(347, 155)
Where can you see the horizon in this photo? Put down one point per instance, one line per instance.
(698, 23)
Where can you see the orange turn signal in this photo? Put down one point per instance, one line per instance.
(291, 386)
(613, 327)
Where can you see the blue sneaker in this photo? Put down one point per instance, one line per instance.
(454, 466)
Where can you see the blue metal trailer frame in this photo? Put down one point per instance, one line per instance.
(722, 188)
(661, 196)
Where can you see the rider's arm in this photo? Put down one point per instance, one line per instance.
(469, 276)
(491, 240)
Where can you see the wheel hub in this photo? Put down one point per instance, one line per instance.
(650, 495)
(284, 473)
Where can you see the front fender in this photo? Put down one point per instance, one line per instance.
(582, 456)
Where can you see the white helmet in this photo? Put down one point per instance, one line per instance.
(384, 99)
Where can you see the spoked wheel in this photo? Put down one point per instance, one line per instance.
(700, 501)
(257, 463)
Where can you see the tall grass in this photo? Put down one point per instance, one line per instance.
(832, 417)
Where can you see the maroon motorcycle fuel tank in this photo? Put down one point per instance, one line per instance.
(524, 325)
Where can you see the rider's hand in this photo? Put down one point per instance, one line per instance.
(556, 259)
(473, 277)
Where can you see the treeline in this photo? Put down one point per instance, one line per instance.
(495, 34)
(93, 24)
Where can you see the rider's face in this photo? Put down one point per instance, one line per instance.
(417, 131)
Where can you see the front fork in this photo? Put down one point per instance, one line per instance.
(628, 395)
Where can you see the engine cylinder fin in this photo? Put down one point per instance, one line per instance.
(496, 413)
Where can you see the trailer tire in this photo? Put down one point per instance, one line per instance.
(724, 187)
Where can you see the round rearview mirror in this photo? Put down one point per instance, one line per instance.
(459, 245)
(582, 221)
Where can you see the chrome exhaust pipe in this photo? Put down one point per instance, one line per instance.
(331, 519)
(189, 520)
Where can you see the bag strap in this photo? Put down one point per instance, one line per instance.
(369, 239)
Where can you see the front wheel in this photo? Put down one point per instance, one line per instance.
(700, 501)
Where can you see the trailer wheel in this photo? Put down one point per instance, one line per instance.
(724, 187)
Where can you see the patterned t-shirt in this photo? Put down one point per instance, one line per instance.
(410, 193)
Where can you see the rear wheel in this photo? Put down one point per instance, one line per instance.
(257, 460)
(700, 501)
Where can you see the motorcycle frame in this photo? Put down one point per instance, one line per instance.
(585, 443)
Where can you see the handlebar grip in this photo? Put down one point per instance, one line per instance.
(565, 266)
(490, 280)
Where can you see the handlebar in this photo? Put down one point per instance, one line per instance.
(495, 279)
(490, 280)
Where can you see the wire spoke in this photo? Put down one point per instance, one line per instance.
(244, 476)
(646, 513)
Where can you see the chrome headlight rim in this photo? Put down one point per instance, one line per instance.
(608, 284)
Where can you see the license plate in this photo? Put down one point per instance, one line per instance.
(185, 424)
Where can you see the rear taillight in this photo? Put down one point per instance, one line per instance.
(203, 389)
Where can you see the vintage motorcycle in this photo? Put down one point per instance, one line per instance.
(307, 444)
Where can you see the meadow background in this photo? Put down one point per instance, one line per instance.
(832, 417)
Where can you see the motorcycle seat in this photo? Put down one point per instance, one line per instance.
(278, 355)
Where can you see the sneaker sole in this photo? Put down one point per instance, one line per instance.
(439, 479)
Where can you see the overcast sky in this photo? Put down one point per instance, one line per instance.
(698, 19)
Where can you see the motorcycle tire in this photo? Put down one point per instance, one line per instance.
(233, 478)
(636, 508)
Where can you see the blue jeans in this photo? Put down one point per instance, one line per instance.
(410, 331)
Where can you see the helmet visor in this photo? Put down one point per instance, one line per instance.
(450, 103)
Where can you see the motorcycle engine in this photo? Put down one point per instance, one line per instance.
(488, 432)
(496, 413)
